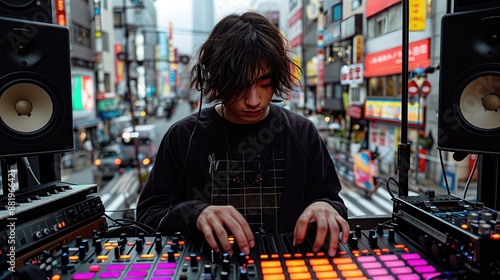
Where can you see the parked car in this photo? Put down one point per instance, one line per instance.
(146, 147)
(109, 161)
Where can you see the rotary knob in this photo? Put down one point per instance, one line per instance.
(37, 235)
(438, 250)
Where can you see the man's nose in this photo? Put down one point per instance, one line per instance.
(252, 98)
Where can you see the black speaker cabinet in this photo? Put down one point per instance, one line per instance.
(36, 113)
(469, 86)
(33, 10)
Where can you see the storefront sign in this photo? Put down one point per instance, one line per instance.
(357, 43)
(351, 74)
(389, 110)
(389, 62)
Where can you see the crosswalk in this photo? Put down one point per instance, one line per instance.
(379, 203)
(121, 194)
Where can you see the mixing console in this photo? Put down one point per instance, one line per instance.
(459, 234)
(378, 254)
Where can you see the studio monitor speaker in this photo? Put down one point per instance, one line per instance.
(469, 86)
(33, 10)
(36, 113)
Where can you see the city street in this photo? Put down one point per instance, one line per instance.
(119, 195)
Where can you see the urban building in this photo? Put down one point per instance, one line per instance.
(87, 123)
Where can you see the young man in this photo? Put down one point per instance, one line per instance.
(244, 165)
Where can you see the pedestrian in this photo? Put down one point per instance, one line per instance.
(89, 149)
(244, 165)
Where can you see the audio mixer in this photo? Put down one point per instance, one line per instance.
(459, 234)
(377, 254)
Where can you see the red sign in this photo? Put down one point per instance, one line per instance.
(389, 62)
(351, 74)
(375, 6)
(355, 111)
(426, 88)
(412, 88)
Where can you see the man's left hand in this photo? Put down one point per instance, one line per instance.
(327, 220)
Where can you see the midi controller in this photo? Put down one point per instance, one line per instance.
(370, 254)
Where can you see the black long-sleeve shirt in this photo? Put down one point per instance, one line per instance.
(286, 147)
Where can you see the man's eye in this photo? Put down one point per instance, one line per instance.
(266, 83)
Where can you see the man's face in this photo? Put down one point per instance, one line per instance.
(253, 106)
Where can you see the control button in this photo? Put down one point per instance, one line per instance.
(193, 261)
(171, 256)
(357, 230)
(158, 244)
(139, 245)
(81, 252)
(392, 234)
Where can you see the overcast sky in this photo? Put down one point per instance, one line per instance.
(180, 13)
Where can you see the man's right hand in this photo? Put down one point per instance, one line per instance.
(213, 222)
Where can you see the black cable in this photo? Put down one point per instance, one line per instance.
(123, 226)
(387, 185)
(133, 222)
(444, 172)
(466, 188)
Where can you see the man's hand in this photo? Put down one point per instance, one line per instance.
(327, 220)
(214, 220)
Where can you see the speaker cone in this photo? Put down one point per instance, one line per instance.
(480, 101)
(25, 107)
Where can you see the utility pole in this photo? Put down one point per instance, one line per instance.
(128, 94)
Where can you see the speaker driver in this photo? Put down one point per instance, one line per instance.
(25, 107)
(21, 46)
(19, 3)
(480, 102)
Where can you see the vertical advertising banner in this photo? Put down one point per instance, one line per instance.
(119, 64)
(83, 93)
(417, 15)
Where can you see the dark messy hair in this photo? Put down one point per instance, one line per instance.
(237, 51)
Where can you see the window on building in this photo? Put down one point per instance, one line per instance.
(388, 86)
(376, 86)
(355, 94)
(118, 18)
(337, 91)
(398, 84)
(395, 18)
(381, 24)
(107, 82)
(81, 35)
(391, 86)
(386, 21)
(337, 13)
(355, 4)
(105, 41)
